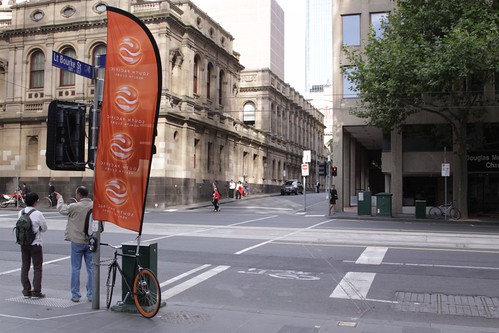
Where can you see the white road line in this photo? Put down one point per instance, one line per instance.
(181, 276)
(192, 282)
(355, 285)
(278, 238)
(208, 229)
(372, 256)
(432, 265)
(45, 263)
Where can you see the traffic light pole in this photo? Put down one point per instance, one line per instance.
(328, 182)
(95, 114)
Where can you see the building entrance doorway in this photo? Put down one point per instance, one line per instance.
(483, 194)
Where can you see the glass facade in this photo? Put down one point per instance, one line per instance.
(319, 45)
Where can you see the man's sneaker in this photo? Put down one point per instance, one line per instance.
(37, 295)
(75, 299)
(27, 295)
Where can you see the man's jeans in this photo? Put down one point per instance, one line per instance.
(78, 252)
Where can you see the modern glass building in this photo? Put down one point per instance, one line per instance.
(318, 45)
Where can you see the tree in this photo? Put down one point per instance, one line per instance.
(433, 56)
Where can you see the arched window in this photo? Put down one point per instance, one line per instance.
(195, 74)
(249, 113)
(221, 79)
(67, 78)
(208, 80)
(98, 50)
(32, 153)
(36, 70)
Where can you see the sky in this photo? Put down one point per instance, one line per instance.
(294, 40)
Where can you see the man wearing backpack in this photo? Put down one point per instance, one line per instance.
(33, 252)
(75, 233)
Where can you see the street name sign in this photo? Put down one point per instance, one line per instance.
(72, 65)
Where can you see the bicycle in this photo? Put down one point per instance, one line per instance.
(47, 202)
(146, 292)
(445, 210)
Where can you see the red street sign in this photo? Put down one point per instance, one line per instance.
(304, 170)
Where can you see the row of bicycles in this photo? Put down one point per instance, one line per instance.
(446, 211)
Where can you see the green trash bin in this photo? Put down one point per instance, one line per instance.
(364, 202)
(384, 204)
(420, 209)
(148, 256)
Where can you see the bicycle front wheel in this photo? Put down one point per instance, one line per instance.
(147, 293)
(435, 212)
(455, 213)
(111, 279)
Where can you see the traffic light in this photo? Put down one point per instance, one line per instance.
(66, 136)
(334, 171)
(322, 169)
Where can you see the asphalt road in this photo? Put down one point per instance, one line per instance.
(269, 265)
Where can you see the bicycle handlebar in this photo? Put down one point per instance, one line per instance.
(116, 247)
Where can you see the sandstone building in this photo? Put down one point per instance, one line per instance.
(217, 121)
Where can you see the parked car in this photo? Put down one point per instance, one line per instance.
(292, 186)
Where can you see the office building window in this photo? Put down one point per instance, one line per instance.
(376, 23)
(351, 29)
(349, 87)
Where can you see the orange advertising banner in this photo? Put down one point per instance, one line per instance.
(130, 106)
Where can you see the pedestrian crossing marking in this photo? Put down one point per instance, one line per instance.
(355, 285)
(372, 256)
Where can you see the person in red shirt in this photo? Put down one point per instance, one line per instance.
(215, 199)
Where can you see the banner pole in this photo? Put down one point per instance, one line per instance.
(98, 94)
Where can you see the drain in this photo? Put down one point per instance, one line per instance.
(189, 317)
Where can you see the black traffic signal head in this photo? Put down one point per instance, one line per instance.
(322, 169)
(334, 171)
(66, 136)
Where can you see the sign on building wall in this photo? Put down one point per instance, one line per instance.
(483, 161)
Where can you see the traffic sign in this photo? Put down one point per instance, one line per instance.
(304, 170)
(445, 169)
(307, 156)
(72, 65)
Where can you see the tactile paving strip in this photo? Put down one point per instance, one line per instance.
(457, 305)
(47, 301)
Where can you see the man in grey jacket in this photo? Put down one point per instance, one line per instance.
(75, 233)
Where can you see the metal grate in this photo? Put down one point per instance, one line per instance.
(47, 301)
(190, 317)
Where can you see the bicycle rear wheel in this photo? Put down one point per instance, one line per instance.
(435, 212)
(455, 213)
(21, 203)
(46, 202)
(111, 279)
(147, 293)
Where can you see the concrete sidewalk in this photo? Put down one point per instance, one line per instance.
(352, 212)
